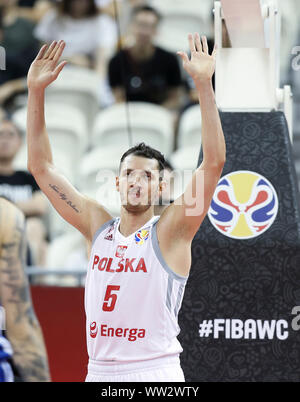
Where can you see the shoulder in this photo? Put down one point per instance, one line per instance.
(118, 57)
(165, 53)
(50, 16)
(98, 216)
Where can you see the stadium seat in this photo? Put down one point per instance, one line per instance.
(61, 247)
(189, 130)
(58, 258)
(98, 170)
(106, 195)
(106, 157)
(185, 158)
(66, 127)
(56, 224)
(150, 123)
(79, 87)
(61, 159)
(179, 19)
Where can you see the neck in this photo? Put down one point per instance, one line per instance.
(142, 52)
(6, 168)
(130, 222)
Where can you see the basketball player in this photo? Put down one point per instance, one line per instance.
(139, 263)
(23, 344)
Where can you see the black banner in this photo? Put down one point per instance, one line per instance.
(239, 319)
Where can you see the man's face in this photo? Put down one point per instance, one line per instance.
(144, 27)
(138, 183)
(79, 8)
(10, 141)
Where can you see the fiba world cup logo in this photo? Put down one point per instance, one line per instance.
(244, 205)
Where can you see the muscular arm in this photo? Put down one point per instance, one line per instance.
(83, 213)
(23, 329)
(183, 218)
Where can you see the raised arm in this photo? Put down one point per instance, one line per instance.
(22, 327)
(83, 213)
(182, 219)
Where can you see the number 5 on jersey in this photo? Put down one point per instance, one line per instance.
(110, 298)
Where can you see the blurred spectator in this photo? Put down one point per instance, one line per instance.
(16, 37)
(22, 344)
(144, 71)
(34, 9)
(20, 188)
(90, 38)
(124, 9)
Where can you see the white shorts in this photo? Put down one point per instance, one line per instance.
(163, 369)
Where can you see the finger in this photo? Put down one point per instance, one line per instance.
(214, 53)
(58, 69)
(183, 56)
(55, 49)
(198, 43)
(59, 51)
(41, 52)
(205, 45)
(191, 43)
(50, 48)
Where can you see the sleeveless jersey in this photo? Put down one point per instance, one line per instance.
(132, 297)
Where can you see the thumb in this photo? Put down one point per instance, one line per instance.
(58, 69)
(184, 57)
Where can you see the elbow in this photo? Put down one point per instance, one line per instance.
(216, 164)
(36, 170)
(222, 162)
(33, 170)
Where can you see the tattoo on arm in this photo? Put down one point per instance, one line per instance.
(23, 329)
(63, 197)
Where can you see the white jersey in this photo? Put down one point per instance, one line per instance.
(132, 297)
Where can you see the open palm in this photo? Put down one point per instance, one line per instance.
(45, 69)
(201, 65)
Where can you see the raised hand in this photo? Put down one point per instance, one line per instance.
(45, 69)
(202, 65)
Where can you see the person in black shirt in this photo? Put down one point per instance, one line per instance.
(20, 188)
(145, 72)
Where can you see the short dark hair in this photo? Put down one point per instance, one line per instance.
(64, 7)
(146, 151)
(145, 8)
(168, 165)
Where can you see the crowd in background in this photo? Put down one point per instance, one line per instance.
(115, 39)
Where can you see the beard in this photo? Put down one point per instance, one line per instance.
(136, 206)
(136, 209)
